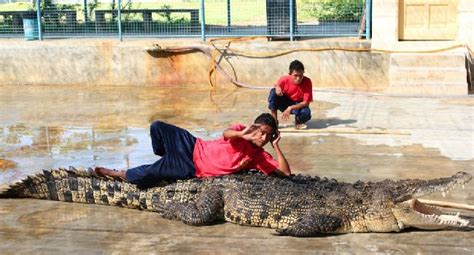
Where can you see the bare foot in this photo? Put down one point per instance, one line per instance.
(109, 172)
(102, 170)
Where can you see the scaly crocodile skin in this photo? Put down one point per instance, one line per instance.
(298, 205)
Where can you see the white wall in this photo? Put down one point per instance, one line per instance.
(385, 23)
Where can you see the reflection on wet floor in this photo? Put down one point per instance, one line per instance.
(44, 127)
(345, 158)
(6, 164)
(29, 150)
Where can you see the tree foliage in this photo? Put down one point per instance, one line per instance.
(335, 10)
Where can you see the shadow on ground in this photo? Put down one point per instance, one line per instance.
(325, 123)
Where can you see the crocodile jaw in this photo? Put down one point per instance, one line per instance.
(413, 213)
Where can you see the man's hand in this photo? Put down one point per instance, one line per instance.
(283, 166)
(251, 132)
(278, 90)
(286, 114)
(276, 139)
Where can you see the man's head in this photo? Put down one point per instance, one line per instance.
(268, 128)
(297, 71)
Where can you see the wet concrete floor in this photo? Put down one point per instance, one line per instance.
(351, 137)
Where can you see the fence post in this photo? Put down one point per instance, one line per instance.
(228, 16)
(291, 20)
(203, 22)
(86, 18)
(38, 17)
(119, 17)
(368, 18)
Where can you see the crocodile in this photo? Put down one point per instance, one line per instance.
(298, 205)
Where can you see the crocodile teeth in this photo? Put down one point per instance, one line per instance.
(443, 194)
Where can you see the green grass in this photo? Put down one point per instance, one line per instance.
(16, 7)
(243, 13)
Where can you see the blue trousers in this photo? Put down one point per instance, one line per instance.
(280, 103)
(175, 146)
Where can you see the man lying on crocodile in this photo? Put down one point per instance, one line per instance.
(184, 156)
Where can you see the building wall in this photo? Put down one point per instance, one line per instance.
(98, 62)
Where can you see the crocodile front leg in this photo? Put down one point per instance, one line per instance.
(313, 225)
(207, 208)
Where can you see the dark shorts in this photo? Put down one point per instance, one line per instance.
(175, 146)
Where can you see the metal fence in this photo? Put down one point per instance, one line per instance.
(185, 18)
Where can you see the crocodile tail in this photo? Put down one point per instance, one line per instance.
(77, 186)
(27, 188)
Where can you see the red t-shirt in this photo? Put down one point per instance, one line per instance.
(297, 92)
(223, 156)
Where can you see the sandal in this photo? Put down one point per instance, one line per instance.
(300, 126)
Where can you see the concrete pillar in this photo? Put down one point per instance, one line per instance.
(384, 23)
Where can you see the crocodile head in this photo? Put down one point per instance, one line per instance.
(394, 206)
(410, 212)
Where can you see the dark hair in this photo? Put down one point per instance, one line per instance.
(296, 65)
(267, 119)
